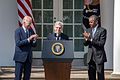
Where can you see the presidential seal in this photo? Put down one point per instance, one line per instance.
(57, 48)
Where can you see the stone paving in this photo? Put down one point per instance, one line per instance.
(7, 73)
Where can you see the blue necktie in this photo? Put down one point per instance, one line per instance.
(27, 33)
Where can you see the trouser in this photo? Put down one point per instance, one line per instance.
(93, 68)
(22, 67)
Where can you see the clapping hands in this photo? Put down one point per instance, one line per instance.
(86, 35)
(33, 37)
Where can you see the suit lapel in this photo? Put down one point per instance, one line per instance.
(23, 33)
(97, 31)
(61, 36)
(53, 36)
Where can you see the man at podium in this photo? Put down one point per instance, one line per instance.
(57, 70)
(58, 35)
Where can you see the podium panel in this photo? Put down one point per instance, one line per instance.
(57, 71)
(57, 57)
(57, 51)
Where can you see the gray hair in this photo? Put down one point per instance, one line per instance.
(26, 17)
(60, 24)
(94, 17)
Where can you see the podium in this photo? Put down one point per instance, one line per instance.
(57, 57)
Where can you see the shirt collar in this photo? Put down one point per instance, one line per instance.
(95, 27)
(24, 28)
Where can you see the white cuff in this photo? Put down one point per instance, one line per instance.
(91, 40)
(28, 39)
(34, 41)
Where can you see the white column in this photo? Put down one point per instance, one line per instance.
(116, 47)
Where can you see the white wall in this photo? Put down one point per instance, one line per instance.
(107, 18)
(8, 24)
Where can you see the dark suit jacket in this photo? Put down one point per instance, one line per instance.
(23, 47)
(96, 47)
(53, 36)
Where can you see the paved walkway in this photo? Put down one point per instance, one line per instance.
(38, 74)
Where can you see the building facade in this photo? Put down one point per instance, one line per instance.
(70, 13)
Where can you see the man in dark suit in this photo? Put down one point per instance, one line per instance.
(25, 39)
(95, 38)
(58, 35)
